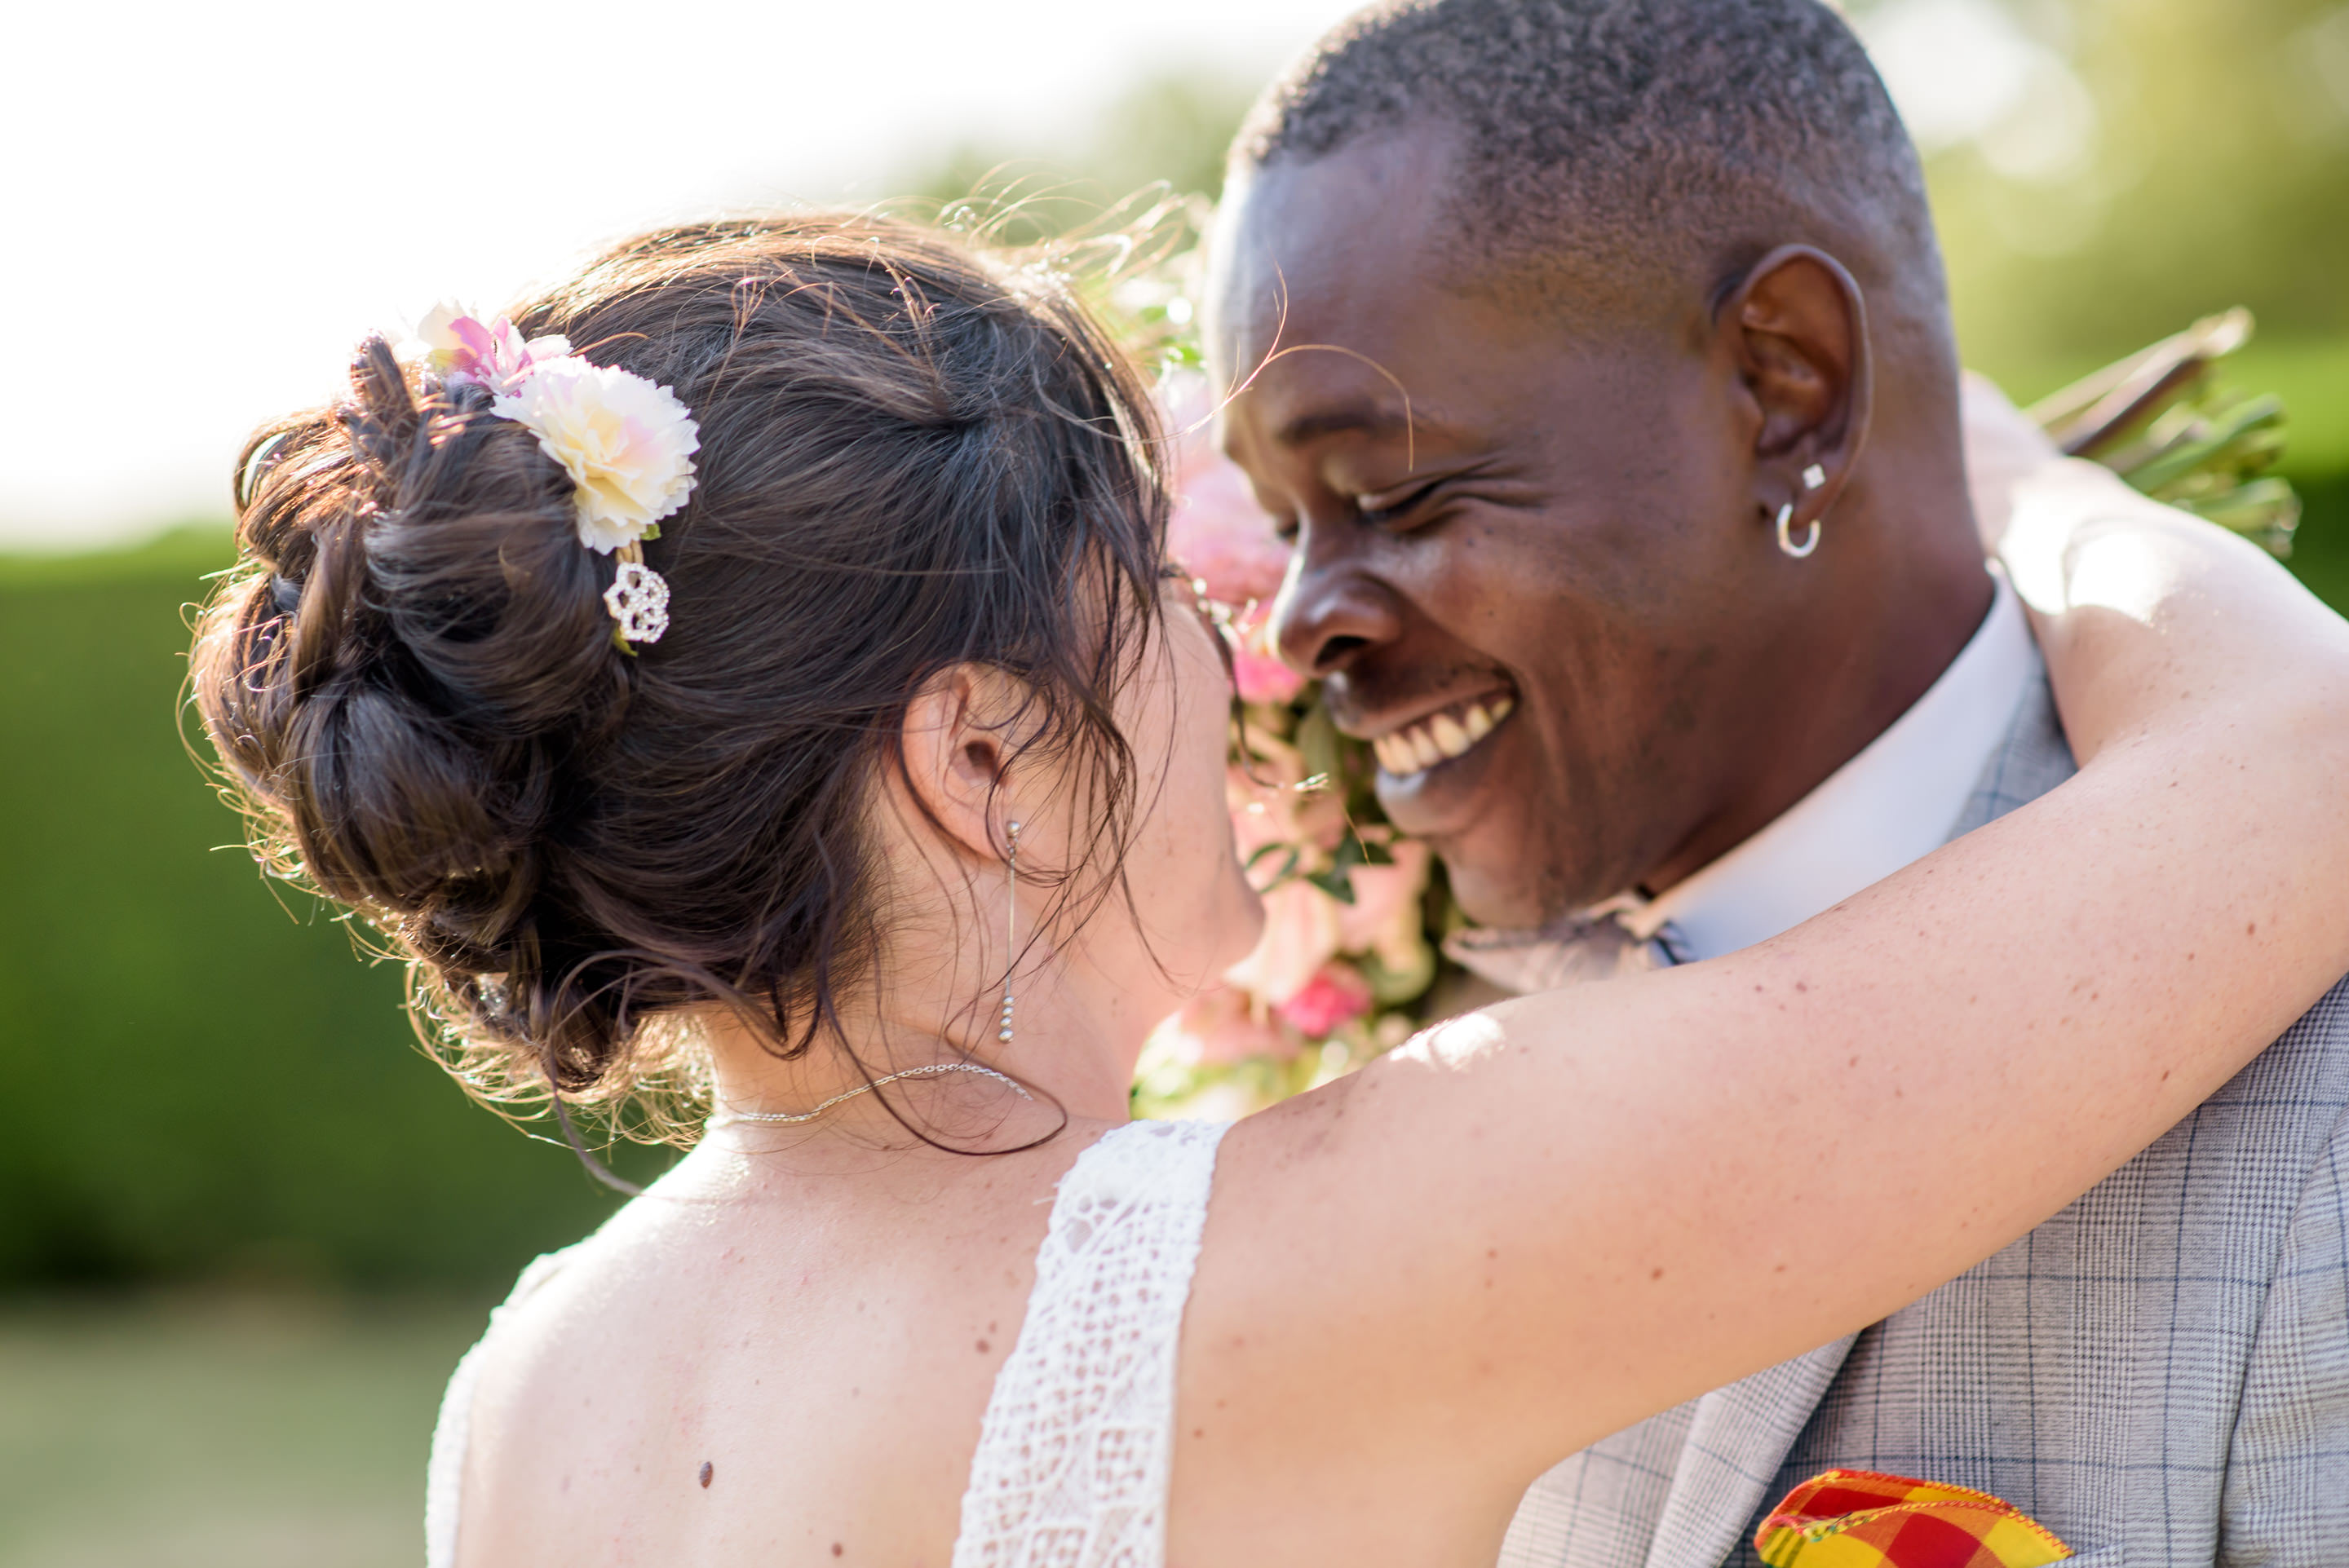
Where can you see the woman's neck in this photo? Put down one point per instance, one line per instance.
(1074, 1046)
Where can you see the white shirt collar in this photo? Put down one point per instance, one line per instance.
(1893, 803)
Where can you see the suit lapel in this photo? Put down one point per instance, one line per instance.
(1597, 1509)
(1738, 1439)
(1740, 1435)
(1678, 1490)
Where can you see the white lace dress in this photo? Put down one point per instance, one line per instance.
(1075, 1449)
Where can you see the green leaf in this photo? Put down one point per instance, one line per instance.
(1287, 867)
(1336, 883)
(2213, 446)
(1316, 739)
(2265, 510)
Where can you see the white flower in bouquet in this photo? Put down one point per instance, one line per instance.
(1387, 920)
(1301, 934)
(1220, 1027)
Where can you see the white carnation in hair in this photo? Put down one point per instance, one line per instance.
(627, 445)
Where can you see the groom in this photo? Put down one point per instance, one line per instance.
(1596, 354)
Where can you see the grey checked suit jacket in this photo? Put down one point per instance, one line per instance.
(2159, 1374)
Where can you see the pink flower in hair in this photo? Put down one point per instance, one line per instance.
(496, 355)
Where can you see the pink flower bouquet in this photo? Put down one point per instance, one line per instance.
(1346, 952)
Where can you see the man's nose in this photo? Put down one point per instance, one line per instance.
(1330, 607)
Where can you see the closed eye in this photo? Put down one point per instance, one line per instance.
(1388, 507)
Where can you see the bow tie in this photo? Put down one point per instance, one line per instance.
(1596, 944)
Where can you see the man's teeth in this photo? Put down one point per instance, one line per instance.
(1420, 746)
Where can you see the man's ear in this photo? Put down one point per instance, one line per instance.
(957, 747)
(1796, 330)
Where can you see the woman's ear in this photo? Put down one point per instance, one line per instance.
(957, 747)
(1796, 330)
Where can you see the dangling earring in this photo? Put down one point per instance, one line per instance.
(1010, 924)
(1813, 478)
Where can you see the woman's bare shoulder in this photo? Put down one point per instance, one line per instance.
(813, 1354)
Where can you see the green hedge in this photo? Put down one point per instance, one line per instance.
(2321, 554)
(201, 1078)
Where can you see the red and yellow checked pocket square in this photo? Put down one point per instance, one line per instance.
(1855, 1519)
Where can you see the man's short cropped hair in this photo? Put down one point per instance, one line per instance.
(1680, 132)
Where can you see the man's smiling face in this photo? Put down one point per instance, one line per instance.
(1527, 562)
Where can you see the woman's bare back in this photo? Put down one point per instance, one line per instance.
(759, 1363)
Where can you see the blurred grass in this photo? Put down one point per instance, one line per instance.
(233, 1431)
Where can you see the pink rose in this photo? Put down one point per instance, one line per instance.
(1332, 998)
(1218, 532)
(1264, 680)
(1256, 665)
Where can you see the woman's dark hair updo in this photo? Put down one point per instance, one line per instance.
(911, 457)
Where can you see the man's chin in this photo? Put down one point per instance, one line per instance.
(1496, 832)
(1507, 892)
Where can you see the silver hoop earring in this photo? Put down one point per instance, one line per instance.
(1786, 533)
(1010, 924)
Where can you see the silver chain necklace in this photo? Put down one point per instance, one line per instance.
(932, 1070)
(1011, 937)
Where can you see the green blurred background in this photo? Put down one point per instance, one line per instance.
(246, 1226)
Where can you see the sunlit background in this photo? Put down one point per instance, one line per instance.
(211, 203)
(244, 1227)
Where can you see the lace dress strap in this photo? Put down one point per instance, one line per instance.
(1076, 1446)
(444, 1471)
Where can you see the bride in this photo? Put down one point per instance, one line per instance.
(782, 692)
